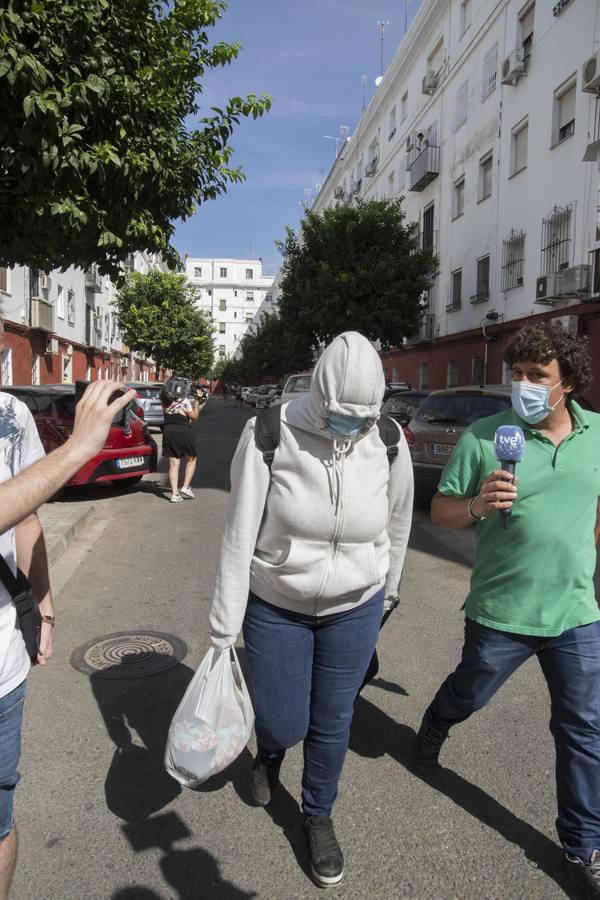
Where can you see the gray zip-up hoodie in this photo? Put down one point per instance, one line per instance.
(327, 528)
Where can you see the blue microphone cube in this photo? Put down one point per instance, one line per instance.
(509, 443)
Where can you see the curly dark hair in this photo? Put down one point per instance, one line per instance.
(544, 342)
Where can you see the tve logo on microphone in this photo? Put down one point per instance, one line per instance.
(509, 444)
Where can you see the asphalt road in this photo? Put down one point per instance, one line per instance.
(100, 819)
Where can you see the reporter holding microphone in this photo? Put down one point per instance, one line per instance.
(532, 590)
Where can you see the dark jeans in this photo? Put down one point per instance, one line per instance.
(571, 667)
(305, 673)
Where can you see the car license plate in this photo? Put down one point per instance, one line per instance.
(442, 449)
(130, 463)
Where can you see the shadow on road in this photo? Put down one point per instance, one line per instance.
(375, 734)
(137, 713)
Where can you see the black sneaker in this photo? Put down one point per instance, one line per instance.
(264, 778)
(327, 860)
(427, 746)
(586, 876)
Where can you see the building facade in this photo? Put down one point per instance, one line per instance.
(236, 293)
(481, 124)
(60, 327)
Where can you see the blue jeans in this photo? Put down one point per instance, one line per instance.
(305, 672)
(11, 720)
(571, 666)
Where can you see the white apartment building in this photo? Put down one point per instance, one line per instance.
(236, 293)
(481, 123)
(60, 326)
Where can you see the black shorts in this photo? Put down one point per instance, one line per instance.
(178, 442)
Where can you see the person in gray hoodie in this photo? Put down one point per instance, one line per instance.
(310, 551)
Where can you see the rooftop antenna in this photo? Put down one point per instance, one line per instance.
(382, 26)
(363, 80)
(344, 132)
(330, 137)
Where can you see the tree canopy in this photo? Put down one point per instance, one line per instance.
(272, 350)
(158, 315)
(101, 143)
(354, 267)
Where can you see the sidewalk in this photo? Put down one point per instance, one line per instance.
(62, 522)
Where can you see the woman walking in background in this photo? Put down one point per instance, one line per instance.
(314, 542)
(178, 442)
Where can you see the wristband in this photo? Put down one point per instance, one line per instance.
(472, 515)
(49, 619)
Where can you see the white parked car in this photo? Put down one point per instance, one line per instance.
(294, 386)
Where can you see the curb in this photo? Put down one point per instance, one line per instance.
(61, 534)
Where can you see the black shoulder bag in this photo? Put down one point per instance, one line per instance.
(29, 619)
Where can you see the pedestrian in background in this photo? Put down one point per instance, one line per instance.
(225, 393)
(178, 442)
(238, 395)
(532, 590)
(311, 547)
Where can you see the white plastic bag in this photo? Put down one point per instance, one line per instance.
(213, 722)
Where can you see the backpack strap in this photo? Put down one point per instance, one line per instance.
(267, 432)
(388, 432)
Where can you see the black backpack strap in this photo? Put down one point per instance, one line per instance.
(267, 431)
(389, 434)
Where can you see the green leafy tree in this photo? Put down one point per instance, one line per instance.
(101, 144)
(159, 316)
(355, 267)
(273, 350)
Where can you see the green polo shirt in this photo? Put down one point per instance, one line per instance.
(536, 576)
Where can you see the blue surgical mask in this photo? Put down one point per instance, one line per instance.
(345, 427)
(531, 401)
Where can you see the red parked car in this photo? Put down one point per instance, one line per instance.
(128, 454)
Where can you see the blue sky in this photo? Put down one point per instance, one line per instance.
(309, 56)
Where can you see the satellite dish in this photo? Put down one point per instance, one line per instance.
(378, 80)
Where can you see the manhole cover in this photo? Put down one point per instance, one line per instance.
(129, 654)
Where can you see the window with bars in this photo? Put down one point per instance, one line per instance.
(456, 291)
(223, 271)
(513, 260)
(556, 240)
(478, 370)
(222, 327)
(197, 271)
(490, 69)
(462, 104)
(249, 274)
(518, 148)
(483, 281)
(563, 117)
(71, 307)
(250, 295)
(526, 23)
(4, 280)
(458, 198)
(486, 167)
(452, 373)
(223, 305)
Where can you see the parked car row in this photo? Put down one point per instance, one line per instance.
(129, 453)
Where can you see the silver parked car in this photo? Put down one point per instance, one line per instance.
(148, 397)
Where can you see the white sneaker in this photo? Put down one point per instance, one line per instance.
(176, 498)
(187, 492)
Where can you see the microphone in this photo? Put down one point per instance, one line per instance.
(509, 444)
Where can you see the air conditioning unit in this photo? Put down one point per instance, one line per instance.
(567, 323)
(45, 282)
(546, 288)
(574, 280)
(52, 346)
(513, 67)
(338, 193)
(590, 75)
(430, 83)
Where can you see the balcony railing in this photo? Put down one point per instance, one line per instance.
(481, 297)
(93, 279)
(428, 240)
(42, 314)
(453, 307)
(424, 168)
